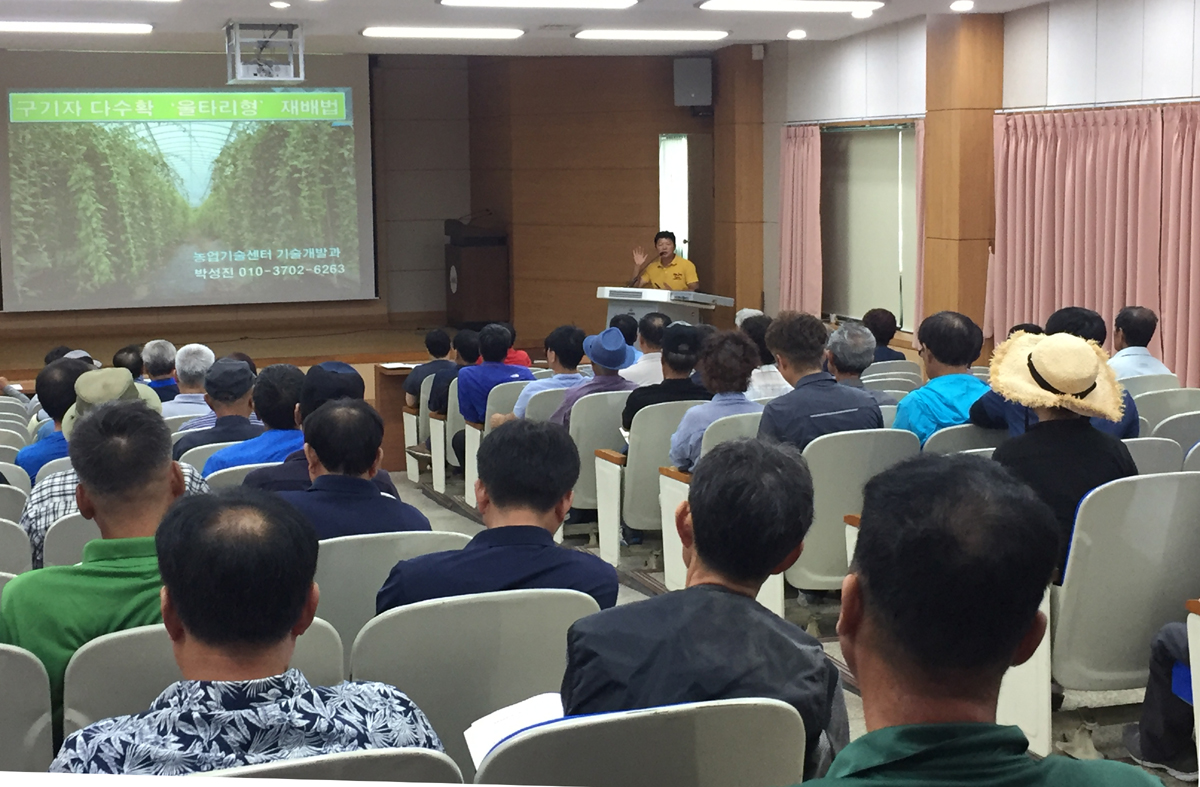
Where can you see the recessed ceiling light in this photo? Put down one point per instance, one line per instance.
(862, 13)
(280, 5)
(602, 4)
(797, 35)
(442, 32)
(962, 6)
(112, 28)
(792, 6)
(653, 35)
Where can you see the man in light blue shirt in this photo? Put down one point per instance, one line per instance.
(564, 351)
(55, 387)
(727, 361)
(192, 363)
(1134, 327)
(950, 343)
(276, 395)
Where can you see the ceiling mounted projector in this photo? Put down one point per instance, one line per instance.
(264, 52)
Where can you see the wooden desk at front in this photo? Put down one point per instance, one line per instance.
(389, 401)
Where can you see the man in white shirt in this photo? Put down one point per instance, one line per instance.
(1133, 329)
(191, 366)
(648, 369)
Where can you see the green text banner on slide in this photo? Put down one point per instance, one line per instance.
(163, 198)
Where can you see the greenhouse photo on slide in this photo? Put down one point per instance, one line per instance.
(178, 213)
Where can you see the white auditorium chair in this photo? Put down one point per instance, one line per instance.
(176, 422)
(16, 553)
(544, 404)
(5, 578)
(196, 457)
(416, 429)
(10, 405)
(8, 453)
(905, 384)
(442, 429)
(26, 731)
(886, 367)
(627, 486)
(595, 426)
(18, 425)
(985, 453)
(1144, 429)
(501, 399)
(352, 569)
(1183, 429)
(408, 765)
(50, 468)
(889, 414)
(914, 377)
(726, 743)
(1133, 556)
(841, 464)
(542, 374)
(1149, 382)
(964, 437)
(122, 673)
(982, 372)
(16, 476)
(1192, 462)
(12, 437)
(234, 476)
(743, 426)
(1154, 455)
(12, 502)
(66, 539)
(1157, 406)
(463, 657)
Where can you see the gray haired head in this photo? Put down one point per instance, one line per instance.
(192, 363)
(852, 347)
(159, 357)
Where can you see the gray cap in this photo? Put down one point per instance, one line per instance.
(228, 379)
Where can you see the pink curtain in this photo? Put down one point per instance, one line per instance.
(1178, 336)
(919, 307)
(1078, 198)
(800, 272)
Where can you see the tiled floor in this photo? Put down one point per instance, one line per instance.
(1107, 712)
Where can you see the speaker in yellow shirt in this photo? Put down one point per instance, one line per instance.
(667, 271)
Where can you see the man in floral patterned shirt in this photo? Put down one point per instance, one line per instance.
(237, 570)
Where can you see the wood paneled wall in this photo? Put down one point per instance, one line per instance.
(738, 177)
(565, 151)
(964, 86)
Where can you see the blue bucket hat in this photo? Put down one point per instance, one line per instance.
(608, 349)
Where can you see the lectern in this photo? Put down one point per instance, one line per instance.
(687, 306)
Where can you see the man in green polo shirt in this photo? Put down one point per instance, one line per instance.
(121, 451)
(953, 558)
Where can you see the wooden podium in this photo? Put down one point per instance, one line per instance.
(686, 306)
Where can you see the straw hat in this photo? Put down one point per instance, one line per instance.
(1059, 370)
(93, 389)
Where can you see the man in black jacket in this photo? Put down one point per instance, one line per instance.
(750, 505)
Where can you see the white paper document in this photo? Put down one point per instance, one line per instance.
(484, 734)
(398, 365)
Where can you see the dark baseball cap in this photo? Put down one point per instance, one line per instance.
(328, 381)
(228, 380)
(680, 338)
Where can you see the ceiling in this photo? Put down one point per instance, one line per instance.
(334, 26)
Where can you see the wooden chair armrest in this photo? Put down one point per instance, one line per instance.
(474, 425)
(616, 457)
(1193, 606)
(853, 520)
(675, 473)
(412, 410)
(437, 416)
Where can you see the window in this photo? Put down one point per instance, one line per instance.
(869, 221)
(673, 207)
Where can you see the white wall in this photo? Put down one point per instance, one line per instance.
(1101, 51)
(427, 172)
(879, 74)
